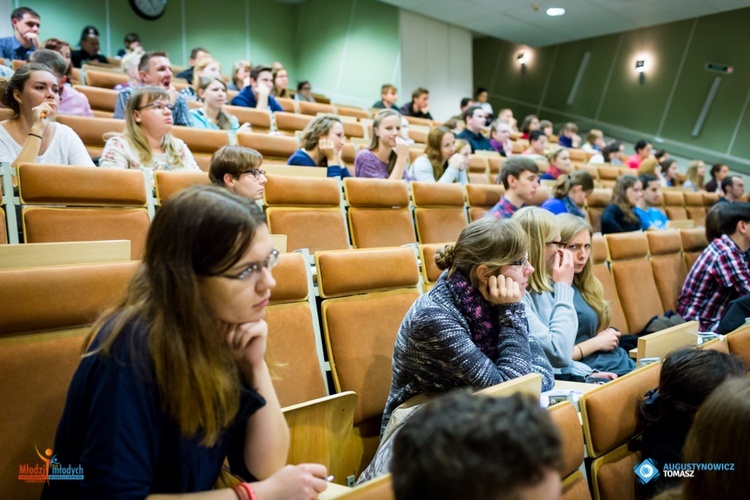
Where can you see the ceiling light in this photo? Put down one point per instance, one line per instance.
(555, 11)
(522, 58)
(640, 66)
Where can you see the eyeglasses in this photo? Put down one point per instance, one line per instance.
(158, 106)
(524, 263)
(255, 268)
(255, 172)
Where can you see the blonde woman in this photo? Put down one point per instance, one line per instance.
(549, 302)
(240, 75)
(441, 161)
(205, 67)
(559, 164)
(147, 141)
(322, 142)
(597, 343)
(695, 177)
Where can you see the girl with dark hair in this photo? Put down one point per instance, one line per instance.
(570, 193)
(619, 216)
(30, 135)
(174, 379)
(388, 153)
(528, 125)
(441, 162)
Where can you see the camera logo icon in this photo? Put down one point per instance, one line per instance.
(646, 471)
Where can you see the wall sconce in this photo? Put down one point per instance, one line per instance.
(640, 67)
(522, 58)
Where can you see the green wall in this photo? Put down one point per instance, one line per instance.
(611, 97)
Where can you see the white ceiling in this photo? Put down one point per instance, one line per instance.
(526, 22)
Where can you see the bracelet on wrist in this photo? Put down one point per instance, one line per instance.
(244, 491)
(35, 135)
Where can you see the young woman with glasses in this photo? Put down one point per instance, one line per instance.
(174, 380)
(238, 170)
(147, 141)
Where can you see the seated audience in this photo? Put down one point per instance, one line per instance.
(388, 153)
(506, 115)
(280, 83)
(405, 128)
(528, 125)
(688, 376)
(129, 65)
(651, 166)
(669, 172)
(594, 141)
(465, 103)
(477, 448)
(240, 75)
(440, 161)
(238, 170)
(480, 97)
(303, 92)
(696, 176)
(559, 164)
(72, 102)
(132, 44)
(661, 155)
(549, 300)
(646, 208)
(733, 188)
(736, 315)
(89, 51)
(388, 97)
(721, 272)
(500, 138)
(619, 216)
(177, 367)
(535, 151)
(718, 172)
(322, 142)
(546, 127)
(205, 67)
(155, 69)
(258, 93)
(520, 178)
(570, 193)
(456, 126)
(470, 329)
(569, 137)
(643, 150)
(31, 135)
(475, 119)
(147, 141)
(63, 48)
(419, 105)
(611, 153)
(212, 92)
(195, 54)
(25, 38)
(597, 342)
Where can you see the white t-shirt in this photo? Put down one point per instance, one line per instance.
(66, 148)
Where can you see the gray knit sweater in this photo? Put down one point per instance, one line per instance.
(434, 351)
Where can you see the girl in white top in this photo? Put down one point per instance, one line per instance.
(147, 141)
(29, 136)
(441, 162)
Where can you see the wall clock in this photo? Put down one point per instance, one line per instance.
(149, 9)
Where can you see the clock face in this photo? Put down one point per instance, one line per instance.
(149, 9)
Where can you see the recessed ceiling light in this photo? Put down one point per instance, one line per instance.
(555, 11)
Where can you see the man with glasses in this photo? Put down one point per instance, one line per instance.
(238, 170)
(155, 69)
(520, 177)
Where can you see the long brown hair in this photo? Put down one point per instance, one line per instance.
(316, 129)
(198, 380)
(433, 150)
(375, 142)
(620, 196)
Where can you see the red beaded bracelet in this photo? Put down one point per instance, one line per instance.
(244, 491)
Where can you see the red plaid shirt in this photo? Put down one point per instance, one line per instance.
(504, 209)
(719, 276)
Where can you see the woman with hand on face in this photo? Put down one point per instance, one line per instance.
(388, 153)
(30, 135)
(240, 75)
(147, 141)
(441, 161)
(238, 170)
(174, 379)
(549, 303)
(620, 216)
(597, 344)
(213, 92)
(322, 142)
(500, 138)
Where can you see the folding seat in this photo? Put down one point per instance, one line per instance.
(495, 164)
(482, 198)
(478, 178)
(45, 316)
(478, 164)
(379, 214)
(353, 129)
(289, 123)
(596, 202)
(565, 416)
(634, 279)
(366, 294)
(593, 170)
(202, 143)
(661, 343)
(739, 343)
(519, 146)
(610, 422)
(287, 104)
(260, 119)
(67, 203)
(272, 147)
(608, 175)
(601, 271)
(105, 79)
(314, 108)
(418, 133)
(710, 199)
(674, 204)
(307, 210)
(419, 121)
(102, 100)
(168, 183)
(349, 154)
(63, 253)
(429, 270)
(667, 264)
(294, 170)
(693, 243)
(352, 111)
(696, 209)
(439, 211)
(94, 132)
(577, 154)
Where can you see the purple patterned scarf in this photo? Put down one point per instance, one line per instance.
(482, 319)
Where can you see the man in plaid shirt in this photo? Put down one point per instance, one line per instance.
(721, 273)
(520, 177)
